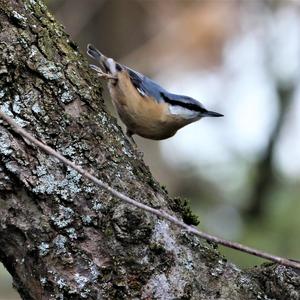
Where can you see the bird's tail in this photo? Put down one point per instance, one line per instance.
(107, 65)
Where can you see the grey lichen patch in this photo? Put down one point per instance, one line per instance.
(65, 188)
(24, 38)
(19, 19)
(72, 233)
(9, 53)
(218, 269)
(46, 185)
(3, 70)
(177, 259)
(30, 95)
(2, 93)
(178, 281)
(61, 282)
(63, 217)
(25, 100)
(60, 244)
(48, 69)
(127, 152)
(41, 170)
(244, 280)
(43, 249)
(108, 128)
(32, 2)
(87, 220)
(6, 183)
(13, 167)
(17, 105)
(81, 280)
(5, 142)
(94, 271)
(189, 264)
(163, 235)
(97, 206)
(36, 108)
(103, 119)
(5, 107)
(21, 122)
(68, 151)
(66, 93)
(70, 184)
(158, 287)
(174, 281)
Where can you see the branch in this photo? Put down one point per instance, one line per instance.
(159, 213)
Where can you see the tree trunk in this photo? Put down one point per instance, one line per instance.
(60, 236)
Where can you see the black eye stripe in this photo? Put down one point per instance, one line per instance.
(118, 67)
(186, 105)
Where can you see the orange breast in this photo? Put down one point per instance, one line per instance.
(142, 115)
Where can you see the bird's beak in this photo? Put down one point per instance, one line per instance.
(212, 114)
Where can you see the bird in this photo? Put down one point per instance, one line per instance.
(146, 108)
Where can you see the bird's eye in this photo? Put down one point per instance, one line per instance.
(118, 67)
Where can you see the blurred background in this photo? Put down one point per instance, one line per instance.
(241, 173)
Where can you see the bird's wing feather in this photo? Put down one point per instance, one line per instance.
(183, 101)
(148, 87)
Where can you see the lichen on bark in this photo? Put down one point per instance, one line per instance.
(60, 236)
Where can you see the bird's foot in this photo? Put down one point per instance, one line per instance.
(101, 74)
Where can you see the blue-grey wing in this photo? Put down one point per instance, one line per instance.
(146, 86)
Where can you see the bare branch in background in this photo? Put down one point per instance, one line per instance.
(265, 178)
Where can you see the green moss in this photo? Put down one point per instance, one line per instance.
(45, 44)
(182, 206)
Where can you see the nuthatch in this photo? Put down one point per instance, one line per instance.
(146, 108)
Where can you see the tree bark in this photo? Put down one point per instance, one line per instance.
(60, 236)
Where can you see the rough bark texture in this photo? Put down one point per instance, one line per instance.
(60, 236)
